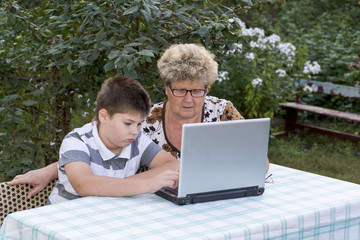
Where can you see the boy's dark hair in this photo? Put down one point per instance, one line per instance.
(122, 95)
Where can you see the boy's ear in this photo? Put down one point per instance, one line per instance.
(103, 115)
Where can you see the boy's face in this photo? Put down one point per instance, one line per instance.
(120, 130)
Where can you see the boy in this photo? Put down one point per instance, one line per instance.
(102, 157)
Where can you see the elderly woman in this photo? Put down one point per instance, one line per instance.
(187, 72)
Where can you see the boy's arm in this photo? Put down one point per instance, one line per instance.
(162, 161)
(85, 183)
(38, 178)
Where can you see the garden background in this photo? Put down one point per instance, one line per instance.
(56, 54)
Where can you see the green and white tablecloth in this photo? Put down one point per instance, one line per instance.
(296, 205)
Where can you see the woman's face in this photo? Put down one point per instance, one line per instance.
(186, 107)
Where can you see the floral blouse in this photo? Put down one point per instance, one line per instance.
(214, 110)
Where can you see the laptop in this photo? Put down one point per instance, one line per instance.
(221, 160)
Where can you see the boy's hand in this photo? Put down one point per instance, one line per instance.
(167, 178)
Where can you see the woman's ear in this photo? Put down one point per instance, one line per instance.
(103, 115)
(167, 89)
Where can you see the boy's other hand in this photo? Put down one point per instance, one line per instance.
(167, 178)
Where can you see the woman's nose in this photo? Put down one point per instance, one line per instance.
(188, 97)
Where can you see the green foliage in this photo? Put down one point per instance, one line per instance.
(53, 52)
(56, 54)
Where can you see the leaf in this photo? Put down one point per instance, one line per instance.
(100, 35)
(132, 10)
(114, 54)
(203, 31)
(29, 146)
(10, 98)
(107, 43)
(3, 21)
(145, 52)
(109, 66)
(37, 92)
(29, 103)
(93, 56)
(52, 64)
(135, 44)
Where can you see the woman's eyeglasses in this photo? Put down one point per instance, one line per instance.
(194, 92)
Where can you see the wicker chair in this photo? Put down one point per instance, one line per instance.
(13, 198)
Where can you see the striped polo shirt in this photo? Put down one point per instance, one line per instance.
(84, 145)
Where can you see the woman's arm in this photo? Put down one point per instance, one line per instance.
(38, 178)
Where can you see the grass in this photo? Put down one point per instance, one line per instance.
(318, 154)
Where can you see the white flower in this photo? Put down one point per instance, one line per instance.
(231, 51)
(281, 73)
(307, 88)
(253, 44)
(250, 56)
(312, 68)
(8, 61)
(240, 23)
(52, 143)
(80, 96)
(252, 32)
(257, 81)
(288, 49)
(273, 39)
(223, 75)
(84, 115)
(236, 47)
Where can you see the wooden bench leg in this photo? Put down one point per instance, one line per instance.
(290, 119)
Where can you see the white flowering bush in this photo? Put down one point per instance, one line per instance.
(327, 38)
(259, 71)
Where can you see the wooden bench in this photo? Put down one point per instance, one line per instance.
(292, 109)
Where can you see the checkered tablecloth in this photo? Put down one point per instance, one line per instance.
(297, 205)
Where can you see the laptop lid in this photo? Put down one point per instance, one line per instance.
(223, 157)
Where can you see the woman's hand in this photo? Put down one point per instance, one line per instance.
(38, 178)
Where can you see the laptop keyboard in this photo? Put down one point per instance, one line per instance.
(171, 190)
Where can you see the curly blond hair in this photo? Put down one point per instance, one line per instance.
(188, 62)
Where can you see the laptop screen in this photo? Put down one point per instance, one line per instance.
(223, 155)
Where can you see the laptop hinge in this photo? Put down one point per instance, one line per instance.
(224, 194)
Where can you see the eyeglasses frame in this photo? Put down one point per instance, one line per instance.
(188, 90)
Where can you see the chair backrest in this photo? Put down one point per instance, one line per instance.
(13, 198)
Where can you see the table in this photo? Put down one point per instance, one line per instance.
(297, 205)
